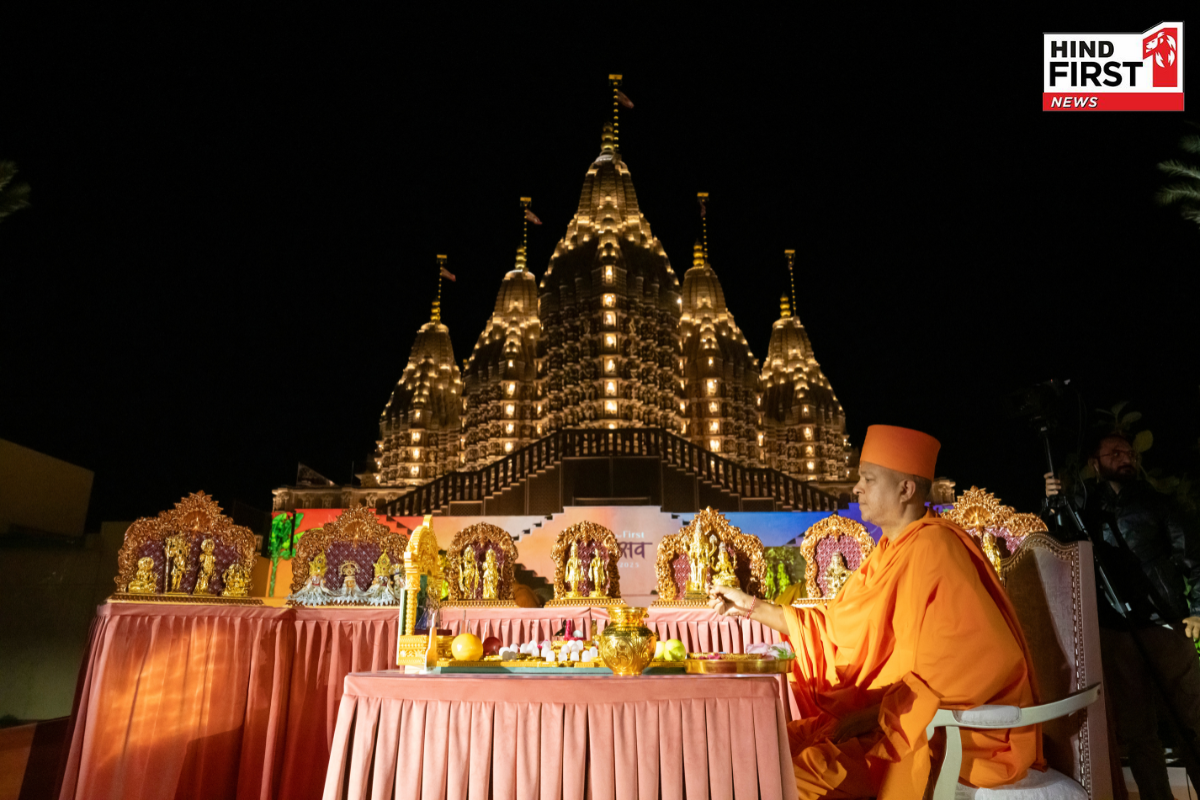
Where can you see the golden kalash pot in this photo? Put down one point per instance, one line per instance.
(626, 645)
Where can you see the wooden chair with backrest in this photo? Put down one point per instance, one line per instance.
(1053, 588)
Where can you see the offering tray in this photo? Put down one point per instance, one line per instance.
(536, 667)
(736, 664)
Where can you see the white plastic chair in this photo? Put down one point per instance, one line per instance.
(1037, 786)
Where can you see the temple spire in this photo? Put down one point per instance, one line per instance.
(615, 82)
(702, 199)
(791, 259)
(785, 309)
(436, 315)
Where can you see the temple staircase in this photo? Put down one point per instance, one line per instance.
(597, 466)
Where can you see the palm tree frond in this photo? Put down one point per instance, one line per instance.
(1179, 169)
(14, 198)
(1177, 193)
(1191, 142)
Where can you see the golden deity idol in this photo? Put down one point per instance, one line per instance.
(988, 541)
(836, 575)
(383, 566)
(237, 581)
(598, 572)
(468, 574)
(491, 576)
(724, 574)
(574, 571)
(207, 562)
(176, 547)
(144, 582)
(699, 554)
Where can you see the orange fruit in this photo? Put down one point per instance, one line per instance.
(467, 647)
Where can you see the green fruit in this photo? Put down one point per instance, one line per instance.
(674, 650)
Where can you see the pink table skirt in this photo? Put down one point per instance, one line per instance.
(515, 625)
(209, 702)
(456, 736)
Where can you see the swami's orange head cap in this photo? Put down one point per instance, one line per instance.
(901, 449)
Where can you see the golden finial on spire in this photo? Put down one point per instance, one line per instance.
(697, 254)
(615, 82)
(436, 316)
(785, 309)
(525, 201)
(606, 139)
(702, 199)
(520, 259)
(791, 259)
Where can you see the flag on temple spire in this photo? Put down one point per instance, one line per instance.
(532, 217)
(623, 99)
(448, 275)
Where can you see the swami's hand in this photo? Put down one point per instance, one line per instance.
(857, 723)
(1053, 484)
(729, 602)
(1191, 626)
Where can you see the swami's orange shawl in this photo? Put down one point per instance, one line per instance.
(923, 624)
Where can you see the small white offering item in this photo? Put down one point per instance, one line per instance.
(595, 651)
(587, 656)
(578, 634)
(509, 655)
(550, 657)
(548, 653)
(564, 655)
(574, 655)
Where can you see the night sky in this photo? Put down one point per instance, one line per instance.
(235, 221)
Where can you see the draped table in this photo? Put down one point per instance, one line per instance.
(183, 701)
(551, 736)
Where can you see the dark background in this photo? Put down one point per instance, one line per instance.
(235, 218)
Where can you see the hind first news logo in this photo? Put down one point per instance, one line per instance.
(1114, 71)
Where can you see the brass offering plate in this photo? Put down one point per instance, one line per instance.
(663, 664)
(737, 664)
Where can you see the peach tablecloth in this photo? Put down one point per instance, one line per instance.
(515, 625)
(509, 737)
(180, 701)
(211, 702)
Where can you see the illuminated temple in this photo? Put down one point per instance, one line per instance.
(606, 379)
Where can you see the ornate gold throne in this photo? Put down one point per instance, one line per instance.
(575, 550)
(833, 549)
(673, 565)
(999, 529)
(356, 537)
(469, 572)
(190, 554)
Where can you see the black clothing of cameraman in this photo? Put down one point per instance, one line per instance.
(1147, 547)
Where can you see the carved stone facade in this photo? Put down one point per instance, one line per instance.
(720, 404)
(804, 426)
(609, 304)
(419, 425)
(501, 397)
(607, 338)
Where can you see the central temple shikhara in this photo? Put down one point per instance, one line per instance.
(606, 340)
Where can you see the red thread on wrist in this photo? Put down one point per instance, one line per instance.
(753, 603)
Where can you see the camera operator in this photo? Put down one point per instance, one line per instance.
(1148, 548)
